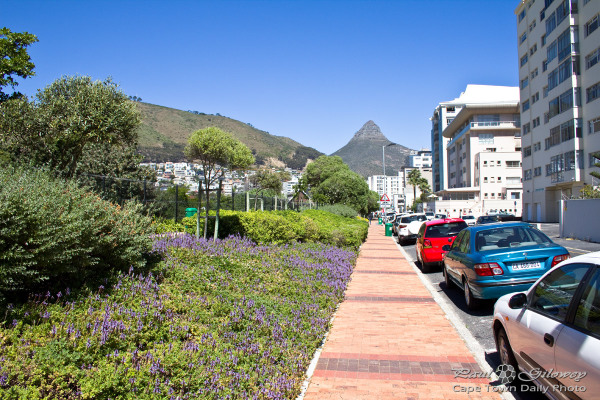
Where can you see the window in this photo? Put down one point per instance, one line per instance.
(525, 106)
(513, 180)
(551, 52)
(515, 195)
(562, 11)
(593, 160)
(593, 92)
(543, 40)
(537, 146)
(485, 179)
(550, 23)
(553, 294)
(533, 49)
(526, 151)
(594, 126)
(552, 79)
(591, 25)
(524, 60)
(587, 316)
(526, 129)
(534, 73)
(536, 122)
(450, 109)
(523, 37)
(592, 58)
(521, 15)
(527, 175)
(532, 26)
(537, 171)
(535, 97)
(564, 44)
(564, 71)
(545, 91)
(513, 164)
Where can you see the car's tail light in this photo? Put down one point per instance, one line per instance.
(488, 269)
(560, 258)
(402, 226)
(427, 244)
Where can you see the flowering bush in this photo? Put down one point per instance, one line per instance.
(225, 319)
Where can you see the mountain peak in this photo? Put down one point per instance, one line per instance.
(369, 130)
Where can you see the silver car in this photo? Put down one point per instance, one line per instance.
(551, 333)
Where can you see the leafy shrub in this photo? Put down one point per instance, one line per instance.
(340, 209)
(167, 225)
(338, 230)
(52, 232)
(286, 227)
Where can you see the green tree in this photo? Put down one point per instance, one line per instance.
(14, 59)
(215, 150)
(265, 180)
(69, 116)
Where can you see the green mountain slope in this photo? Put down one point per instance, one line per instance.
(164, 132)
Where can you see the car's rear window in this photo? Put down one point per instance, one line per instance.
(516, 236)
(411, 218)
(445, 230)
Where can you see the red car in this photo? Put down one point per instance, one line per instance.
(432, 236)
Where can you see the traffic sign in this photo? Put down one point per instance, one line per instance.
(384, 198)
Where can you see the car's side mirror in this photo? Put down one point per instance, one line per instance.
(517, 301)
(446, 247)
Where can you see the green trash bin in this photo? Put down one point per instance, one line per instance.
(380, 221)
(190, 212)
(388, 229)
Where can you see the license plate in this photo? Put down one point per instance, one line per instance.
(526, 265)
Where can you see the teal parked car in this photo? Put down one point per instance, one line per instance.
(491, 260)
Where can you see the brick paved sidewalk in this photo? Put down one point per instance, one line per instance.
(390, 339)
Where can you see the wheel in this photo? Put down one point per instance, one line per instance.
(425, 267)
(504, 350)
(470, 300)
(447, 278)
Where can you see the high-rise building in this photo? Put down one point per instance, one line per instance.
(482, 154)
(420, 158)
(559, 80)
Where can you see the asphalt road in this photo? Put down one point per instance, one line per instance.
(478, 323)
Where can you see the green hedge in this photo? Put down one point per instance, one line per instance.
(286, 227)
(54, 233)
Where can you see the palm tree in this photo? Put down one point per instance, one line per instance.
(414, 179)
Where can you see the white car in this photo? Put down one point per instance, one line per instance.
(552, 331)
(469, 219)
(407, 226)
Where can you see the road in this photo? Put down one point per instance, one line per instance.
(479, 322)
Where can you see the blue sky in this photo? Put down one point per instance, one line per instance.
(314, 71)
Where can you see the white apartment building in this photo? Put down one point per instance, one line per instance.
(392, 187)
(420, 158)
(559, 73)
(482, 170)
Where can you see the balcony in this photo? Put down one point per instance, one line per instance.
(485, 126)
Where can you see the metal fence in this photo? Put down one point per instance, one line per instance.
(170, 201)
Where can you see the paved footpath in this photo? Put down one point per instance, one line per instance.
(390, 339)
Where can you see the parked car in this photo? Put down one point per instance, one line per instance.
(487, 219)
(555, 326)
(432, 236)
(504, 217)
(440, 216)
(429, 215)
(396, 223)
(408, 226)
(469, 219)
(489, 261)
